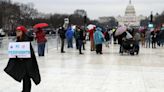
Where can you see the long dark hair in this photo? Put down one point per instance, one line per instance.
(22, 37)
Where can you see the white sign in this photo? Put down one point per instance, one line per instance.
(19, 50)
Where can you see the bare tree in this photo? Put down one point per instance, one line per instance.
(159, 20)
(27, 14)
(9, 15)
(14, 14)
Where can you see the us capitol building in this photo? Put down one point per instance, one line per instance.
(130, 17)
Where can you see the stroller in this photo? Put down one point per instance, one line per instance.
(129, 46)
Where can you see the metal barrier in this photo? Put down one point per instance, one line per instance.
(52, 42)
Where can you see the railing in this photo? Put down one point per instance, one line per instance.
(53, 41)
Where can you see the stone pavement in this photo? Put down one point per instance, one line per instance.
(110, 72)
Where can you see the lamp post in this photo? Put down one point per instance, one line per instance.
(150, 24)
(151, 17)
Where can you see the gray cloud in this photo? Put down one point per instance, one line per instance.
(97, 8)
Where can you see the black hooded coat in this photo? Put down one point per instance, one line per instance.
(17, 68)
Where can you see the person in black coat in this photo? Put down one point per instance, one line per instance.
(80, 38)
(62, 32)
(120, 40)
(153, 37)
(24, 68)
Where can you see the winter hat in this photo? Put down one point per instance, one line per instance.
(21, 28)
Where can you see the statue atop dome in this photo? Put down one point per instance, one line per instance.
(130, 2)
(130, 10)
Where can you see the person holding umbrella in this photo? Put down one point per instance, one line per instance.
(40, 37)
(121, 35)
(24, 68)
(91, 30)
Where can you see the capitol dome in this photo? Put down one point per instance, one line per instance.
(130, 18)
(130, 10)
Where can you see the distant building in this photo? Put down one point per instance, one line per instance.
(80, 12)
(105, 19)
(43, 15)
(109, 22)
(130, 17)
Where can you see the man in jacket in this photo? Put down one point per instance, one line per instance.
(80, 38)
(69, 35)
(62, 32)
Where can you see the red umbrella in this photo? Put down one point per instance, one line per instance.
(40, 25)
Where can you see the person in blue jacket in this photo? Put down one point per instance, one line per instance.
(69, 35)
(98, 39)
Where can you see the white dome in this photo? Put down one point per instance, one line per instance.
(130, 10)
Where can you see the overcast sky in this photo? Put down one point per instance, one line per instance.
(96, 8)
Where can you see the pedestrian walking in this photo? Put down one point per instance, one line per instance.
(62, 32)
(24, 68)
(148, 38)
(41, 40)
(91, 33)
(76, 37)
(107, 38)
(153, 37)
(98, 39)
(80, 38)
(69, 36)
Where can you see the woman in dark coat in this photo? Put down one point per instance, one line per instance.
(120, 40)
(80, 38)
(24, 68)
